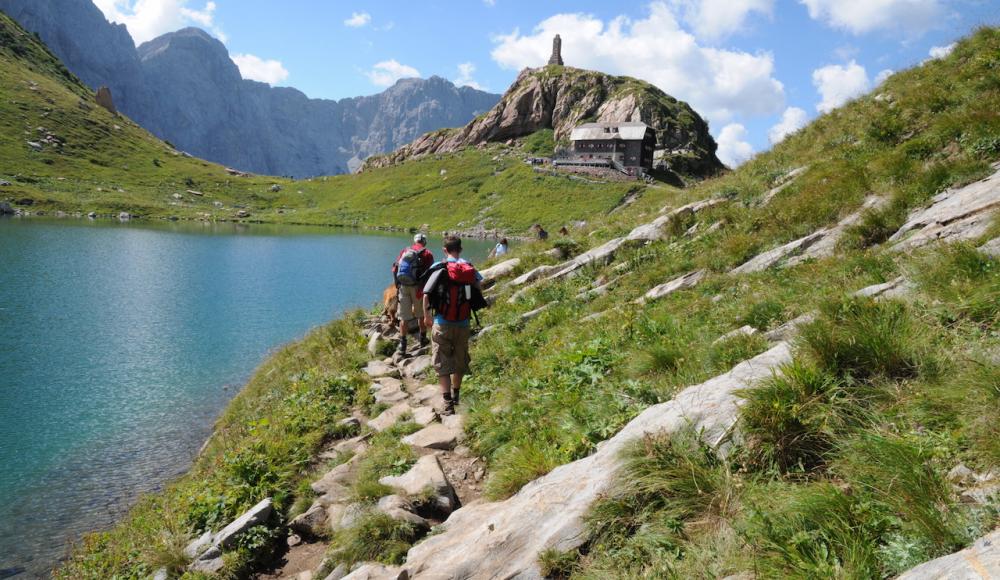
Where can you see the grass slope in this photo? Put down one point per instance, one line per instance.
(91, 160)
(842, 471)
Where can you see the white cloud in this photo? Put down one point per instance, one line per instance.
(387, 72)
(791, 121)
(733, 148)
(909, 17)
(838, 84)
(941, 51)
(718, 83)
(490, 2)
(147, 19)
(465, 72)
(358, 19)
(882, 75)
(255, 68)
(714, 19)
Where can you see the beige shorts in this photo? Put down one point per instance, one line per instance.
(451, 349)
(410, 307)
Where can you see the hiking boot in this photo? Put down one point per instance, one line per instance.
(401, 349)
(449, 405)
(454, 398)
(423, 339)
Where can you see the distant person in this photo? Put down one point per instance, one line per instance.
(500, 249)
(540, 232)
(563, 231)
(453, 293)
(408, 272)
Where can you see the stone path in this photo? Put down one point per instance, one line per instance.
(446, 472)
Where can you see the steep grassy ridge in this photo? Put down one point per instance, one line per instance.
(840, 471)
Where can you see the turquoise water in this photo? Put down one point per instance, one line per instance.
(120, 344)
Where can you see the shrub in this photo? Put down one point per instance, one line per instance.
(374, 537)
(813, 531)
(861, 338)
(792, 420)
(898, 473)
(964, 282)
(762, 314)
(558, 564)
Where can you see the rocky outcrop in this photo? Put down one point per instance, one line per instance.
(560, 98)
(184, 88)
(503, 539)
(962, 213)
(981, 561)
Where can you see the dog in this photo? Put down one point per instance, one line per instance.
(390, 305)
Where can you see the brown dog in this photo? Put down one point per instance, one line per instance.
(390, 305)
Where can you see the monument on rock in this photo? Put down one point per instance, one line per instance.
(556, 57)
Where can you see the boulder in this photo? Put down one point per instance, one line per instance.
(415, 366)
(505, 537)
(312, 522)
(492, 274)
(532, 275)
(424, 415)
(198, 546)
(600, 255)
(789, 329)
(377, 369)
(534, 313)
(772, 257)
(378, 572)
(242, 214)
(689, 280)
(334, 482)
(963, 213)
(981, 561)
(255, 516)
(783, 183)
(427, 394)
(6, 209)
(426, 474)
(389, 417)
(435, 436)
(891, 289)
(105, 101)
(124, 216)
(746, 330)
(991, 248)
(390, 395)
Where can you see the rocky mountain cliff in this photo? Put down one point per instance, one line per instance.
(560, 98)
(184, 88)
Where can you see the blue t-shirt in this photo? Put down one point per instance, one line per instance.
(438, 319)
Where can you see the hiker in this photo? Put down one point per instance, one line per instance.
(540, 232)
(500, 249)
(563, 231)
(408, 272)
(453, 293)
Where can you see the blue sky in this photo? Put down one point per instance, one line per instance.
(756, 69)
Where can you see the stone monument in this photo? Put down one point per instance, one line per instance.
(556, 57)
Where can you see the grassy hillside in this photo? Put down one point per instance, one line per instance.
(841, 471)
(91, 160)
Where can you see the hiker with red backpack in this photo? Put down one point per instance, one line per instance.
(453, 293)
(409, 272)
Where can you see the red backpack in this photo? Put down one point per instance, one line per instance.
(453, 295)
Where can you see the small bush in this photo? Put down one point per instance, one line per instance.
(792, 420)
(762, 314)
(897, 472)
(813, 531)
(861, 338)
(964, 282)
(375, 537)
(556, 564)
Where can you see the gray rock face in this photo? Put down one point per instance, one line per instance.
(981, 561)
(184, 88)
(957, 214)
(684, 282)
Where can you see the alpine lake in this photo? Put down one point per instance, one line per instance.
(120, 343)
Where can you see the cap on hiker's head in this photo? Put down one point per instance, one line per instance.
(420, 239)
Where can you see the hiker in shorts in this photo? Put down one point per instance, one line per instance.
(451, 292)
(408, 271)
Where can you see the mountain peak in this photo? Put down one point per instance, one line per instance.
(560, 97)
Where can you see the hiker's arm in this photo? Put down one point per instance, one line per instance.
(428, 320)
